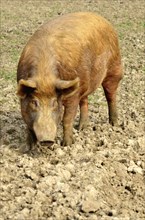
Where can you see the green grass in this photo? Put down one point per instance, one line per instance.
(10, 53)
(14, 54)
(7, 75)
(142, 24)
(126, 24)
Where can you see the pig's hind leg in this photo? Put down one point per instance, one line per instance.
(83, 113)
(110, 85)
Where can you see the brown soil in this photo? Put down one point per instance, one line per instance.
(101, 176)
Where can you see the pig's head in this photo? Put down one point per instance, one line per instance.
(42, 111)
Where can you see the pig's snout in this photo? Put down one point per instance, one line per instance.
(45, 134)
(46, 143)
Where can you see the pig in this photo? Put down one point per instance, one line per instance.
(64, 61)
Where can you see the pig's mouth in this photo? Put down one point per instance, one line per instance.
(46, 143)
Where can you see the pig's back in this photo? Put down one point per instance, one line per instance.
(71, 35)
(71, 44)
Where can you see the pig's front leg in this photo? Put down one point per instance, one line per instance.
(68, 120)
(30, 143)
(31, 140)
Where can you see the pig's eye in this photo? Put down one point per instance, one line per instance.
(34, 103)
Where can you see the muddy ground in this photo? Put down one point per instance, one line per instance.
(101, 176)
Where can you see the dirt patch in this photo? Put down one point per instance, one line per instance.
(101, 176)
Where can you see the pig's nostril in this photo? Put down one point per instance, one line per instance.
(46, 143)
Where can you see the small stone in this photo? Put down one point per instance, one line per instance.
(90, 205)
(138, 170)
(139, 163)
(133, 168)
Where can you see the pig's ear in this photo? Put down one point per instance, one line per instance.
(68, 88)
(25, 87)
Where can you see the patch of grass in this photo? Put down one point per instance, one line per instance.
(14, 55)
(142, 24)
(93, 98)
(7, 75)
(121, 35)
(126, 25)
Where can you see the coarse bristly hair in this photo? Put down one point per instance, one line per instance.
(66, 48)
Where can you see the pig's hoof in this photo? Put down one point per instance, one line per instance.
(68, 141)
(82, 126)
(113, 122)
